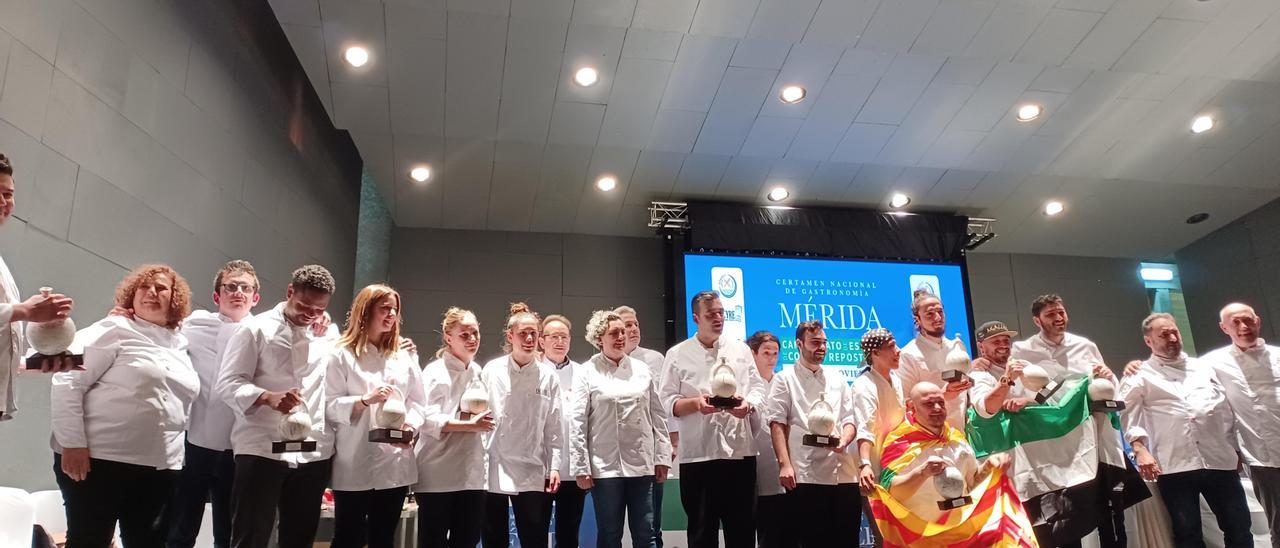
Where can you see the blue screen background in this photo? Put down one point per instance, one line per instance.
(848, 296)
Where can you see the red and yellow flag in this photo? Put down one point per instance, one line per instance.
(996, 517)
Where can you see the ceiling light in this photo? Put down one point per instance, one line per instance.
(899, 200)
(356, 56)
(1029, 112)
(606, 183)
(420, 173)
(792, 94)
(778, 194)
(1053, 208)
(1156, 274)
(1197, 218)
(586, 76)
(1201, 124)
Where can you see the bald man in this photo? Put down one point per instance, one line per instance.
(1249, 370)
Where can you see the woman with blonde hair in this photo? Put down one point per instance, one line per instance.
(618, 444)
(118, 424)
(524, 450)
(452, 462)
(370, 480)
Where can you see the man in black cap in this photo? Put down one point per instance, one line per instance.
(997, 380)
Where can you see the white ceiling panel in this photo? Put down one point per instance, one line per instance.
(909, 95)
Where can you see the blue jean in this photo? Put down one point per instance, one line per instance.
(1181, 492)
(616, 498)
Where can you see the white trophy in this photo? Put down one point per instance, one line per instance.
(950, 484)
(475, 400)
(1102, 396)
(724, 386)
(956, 364)
(51, 339)
(295, 427)
(822, 424)
(388, 419)
(1037, 380)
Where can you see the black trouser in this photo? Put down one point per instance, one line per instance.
(367, 517)
(1266, 486)
(450, 520)
(657, 514)
(532, 510)
(569, 502)
(1222, 490)
(826, 515)
(134, 495)
(775, 521)
(206, 476)
(264, 486)
(719, 493)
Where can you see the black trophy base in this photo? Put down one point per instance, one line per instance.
(814, 440)
(389, 435)
(952, 504)
(725, 403)
(954, 375)
(304, 446)
(35, 361)
(1048, 391)
(1105, 406)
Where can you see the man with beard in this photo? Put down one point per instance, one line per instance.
(822, 480)
(997, 382)
(653, 359)
(1081, 480)
(1178, 420)
(717, 453)
(928, 355)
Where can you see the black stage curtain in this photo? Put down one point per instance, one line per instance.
(853, 233)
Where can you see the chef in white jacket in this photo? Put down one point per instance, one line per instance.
(774, 515)
(118, 424)
(555, 337)
(654, 360)
(273, 364)
(931, 353)
(618, 437)
(370, 372)
(453, 465)
(524, 448)
(14, 311)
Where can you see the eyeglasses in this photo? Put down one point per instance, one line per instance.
(556, 337)
(247, 289)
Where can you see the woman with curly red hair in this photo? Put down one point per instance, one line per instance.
(118, 423)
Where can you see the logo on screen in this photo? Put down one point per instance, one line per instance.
(925, 282)
(727, 286)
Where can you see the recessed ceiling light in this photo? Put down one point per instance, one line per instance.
(356, 56)
(1197, 218)
(586, 76)
(778, 194)
(792, 94)
(1029, 112)
(1201, 124)
(420, 173)
(1053, 207)
(899, 200)
(606, 183)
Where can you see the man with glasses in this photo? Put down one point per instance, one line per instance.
(209, 467)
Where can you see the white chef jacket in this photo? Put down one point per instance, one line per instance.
(130, 402)
(1050, 465)
(767, 469)
(1180, 408)
(686, 374)
(985, 382)
(525, 445)
(1249, 379)
(924, 360)
(270, 353)
(211, 419)
(449, 461)
(877, 409)
(358, 464)
(12, 343)
(924, 502)
(617, 421)
(567, 372)
(654, 360)
(792, 394)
